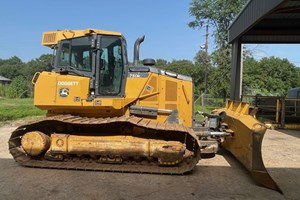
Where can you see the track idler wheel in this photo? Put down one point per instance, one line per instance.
(35, 143)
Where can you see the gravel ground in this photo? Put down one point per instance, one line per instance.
(221, 177)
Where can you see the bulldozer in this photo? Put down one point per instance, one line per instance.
(106, 114)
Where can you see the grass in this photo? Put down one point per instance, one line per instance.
(12, 109)
(204, 109)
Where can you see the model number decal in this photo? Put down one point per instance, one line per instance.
(137, 75)
(68, 83)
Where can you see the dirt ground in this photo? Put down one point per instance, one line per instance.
(221, 177)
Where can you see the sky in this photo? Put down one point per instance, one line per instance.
(163, 22)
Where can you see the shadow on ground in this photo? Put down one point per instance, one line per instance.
(288, 179)
(205, 182)
(291, 133)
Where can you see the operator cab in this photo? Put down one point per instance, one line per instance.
(102, 58)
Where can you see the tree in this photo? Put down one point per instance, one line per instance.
(202, 63)
(180, 66)
(161, 63)
(220, 87)
(21, 73)
(43, 63)
(18, 88)
(11, 68)
(46, 62)
(297, 75)
(217, 14)
(269, 76)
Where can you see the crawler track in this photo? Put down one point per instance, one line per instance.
(107, 126)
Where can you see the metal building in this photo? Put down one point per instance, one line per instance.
(4, 80)
(261, 21)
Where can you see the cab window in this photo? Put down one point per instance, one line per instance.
(77, 53)
(111, 66)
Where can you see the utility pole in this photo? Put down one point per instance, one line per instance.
(206, 63)
(206, 60)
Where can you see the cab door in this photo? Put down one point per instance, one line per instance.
(110, 70)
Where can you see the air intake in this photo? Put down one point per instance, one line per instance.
(49, 39)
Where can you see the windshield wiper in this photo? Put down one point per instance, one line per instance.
(70, 69)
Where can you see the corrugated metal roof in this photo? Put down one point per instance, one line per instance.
(4, 79)
(268, 21)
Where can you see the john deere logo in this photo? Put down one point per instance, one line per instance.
(64, 92)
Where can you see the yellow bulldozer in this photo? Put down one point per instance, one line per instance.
(104, 113)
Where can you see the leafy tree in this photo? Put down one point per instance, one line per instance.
(269, 76)
(180, 66)
(202, 63)
(21, 73)
(161, 63)
(11, 68)
(297, 75)
(18, 88)
(217, 14)
(43, 63)
(3, 90)
(220, 85)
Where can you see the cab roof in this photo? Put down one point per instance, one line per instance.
(53, 37)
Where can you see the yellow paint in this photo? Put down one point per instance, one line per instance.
(156, 97)
(245, 143)
(244, 127)
(34, 143)
(53, 37)
(68, 94)
(151, 91)
(166, 151)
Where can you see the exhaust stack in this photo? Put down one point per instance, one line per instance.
(136, 56)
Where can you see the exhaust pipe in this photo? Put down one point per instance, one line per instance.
(136, 56)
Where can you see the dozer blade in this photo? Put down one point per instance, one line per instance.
(246, 140)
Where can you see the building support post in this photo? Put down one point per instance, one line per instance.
(236, 70)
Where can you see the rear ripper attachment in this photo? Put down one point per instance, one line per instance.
(106, 144)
